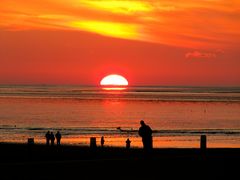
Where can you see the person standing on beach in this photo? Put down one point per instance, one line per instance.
(128, 142)
(58, 137)
(146, 133)
(52, 138)
(47, 136)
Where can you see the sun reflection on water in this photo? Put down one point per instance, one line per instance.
(114, 88)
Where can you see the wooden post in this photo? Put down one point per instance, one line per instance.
(93, 143)
(203, 142)
(30, 141)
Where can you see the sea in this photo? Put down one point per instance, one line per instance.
(178, 116)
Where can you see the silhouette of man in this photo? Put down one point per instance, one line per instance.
(102, 141)
(146, 133)
(47, 136)
(58, 137)
(52, 138)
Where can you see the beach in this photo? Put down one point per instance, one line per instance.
(24, 161)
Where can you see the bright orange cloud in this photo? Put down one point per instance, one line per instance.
(107, 28)
(188, 23)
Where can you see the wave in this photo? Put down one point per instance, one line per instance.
(117, 130)
(144, 93)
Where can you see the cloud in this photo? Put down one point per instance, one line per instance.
(202, 55)
(192, 24)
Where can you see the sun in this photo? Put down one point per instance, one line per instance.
(114, 82)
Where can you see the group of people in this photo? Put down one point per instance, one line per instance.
(50, 138)
(144, 131)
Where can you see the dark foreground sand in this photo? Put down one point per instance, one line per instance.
(20, 161)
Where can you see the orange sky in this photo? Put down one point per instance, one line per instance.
(149, 42)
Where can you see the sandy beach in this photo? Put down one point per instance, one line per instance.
(74, 162)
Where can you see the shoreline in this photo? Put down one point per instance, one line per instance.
(161, 141)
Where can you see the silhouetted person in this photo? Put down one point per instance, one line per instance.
(52, 138)
(102, 141)
(146, 133)
(47, 136)
(128, 142)
(58, 137)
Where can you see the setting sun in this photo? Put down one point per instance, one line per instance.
(114, 80)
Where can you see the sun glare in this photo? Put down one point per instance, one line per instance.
(114, 82)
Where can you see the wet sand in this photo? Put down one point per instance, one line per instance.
(20, 161)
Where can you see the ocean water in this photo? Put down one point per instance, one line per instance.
(177, 115)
